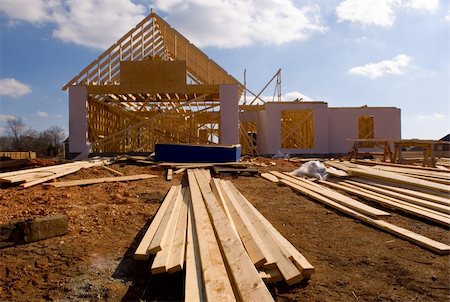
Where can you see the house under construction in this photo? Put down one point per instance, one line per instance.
(154, 86)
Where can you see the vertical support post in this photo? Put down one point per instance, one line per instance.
(229, 114)
(78, 126)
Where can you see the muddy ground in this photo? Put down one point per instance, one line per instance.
(93, 262)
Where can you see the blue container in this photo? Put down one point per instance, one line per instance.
(191, 153)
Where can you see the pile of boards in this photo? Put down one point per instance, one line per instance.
(420, 192)
(30, 177)
(227, 248)
(178, 168)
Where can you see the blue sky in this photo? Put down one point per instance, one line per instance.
(347, 53)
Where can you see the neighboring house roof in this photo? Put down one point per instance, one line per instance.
(446, 138)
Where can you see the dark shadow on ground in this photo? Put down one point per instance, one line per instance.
(143, 286)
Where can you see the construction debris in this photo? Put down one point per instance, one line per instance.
(30, 177)
(231, 249)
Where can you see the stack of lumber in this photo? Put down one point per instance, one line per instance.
(30, 177)
(178, 168)
(321, 191)
(421, 193)
(227, 248)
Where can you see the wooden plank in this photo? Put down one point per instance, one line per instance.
(399, 178)
(425, 242)
(269, 177)
(245, 233)
(155, 243)
(427, 204)
(409, 192)
(249, 231)
(91, 181)
(142, 250)
(169, 174)
(335, 172)
(395, 204)
(176, 257)
(216, 282)
(159, 264)
(194, 282)
(178, 171)
(250, 286)
(214, 182)
(47, 178)
(299, 260)
(271, 275)
(113, 171)
(336, 196)
(290, 272)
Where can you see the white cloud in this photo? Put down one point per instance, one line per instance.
(12, 87)
(369, 12)
(6, 117)
(428, 5)
(379, 12)
(294, 95)
(396, 66)
(236, 23)
(34, 11)
(230, 23)
(94, 23)
(42, 114)
(436, 116)
(447, 17)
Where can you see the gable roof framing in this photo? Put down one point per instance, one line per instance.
(155, 39)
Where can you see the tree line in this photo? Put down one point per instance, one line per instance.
(20, 137)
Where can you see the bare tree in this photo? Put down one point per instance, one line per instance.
(22, 135)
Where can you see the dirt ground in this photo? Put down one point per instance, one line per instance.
(93, 262)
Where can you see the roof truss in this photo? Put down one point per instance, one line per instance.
(153, 39)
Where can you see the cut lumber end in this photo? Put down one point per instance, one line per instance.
(270, 177)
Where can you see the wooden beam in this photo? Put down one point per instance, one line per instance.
(176, 257)
(155, 243)
(289, 271)
(395, 204)
(215, 277)
(299, 260)
(84, 182)
(159, 264)
(425, 242)
(194, 290)
(142, 250)
(246, 277)
(385, 175)
(115, 172)
(245, 231)
(169, 174)
(420, 202)
(336, 196)
(409, 192)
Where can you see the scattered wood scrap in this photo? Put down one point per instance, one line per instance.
(91, 181)
(231, 250)
(30, 177)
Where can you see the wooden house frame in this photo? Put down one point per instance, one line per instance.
(151, 86)
(154, 86)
